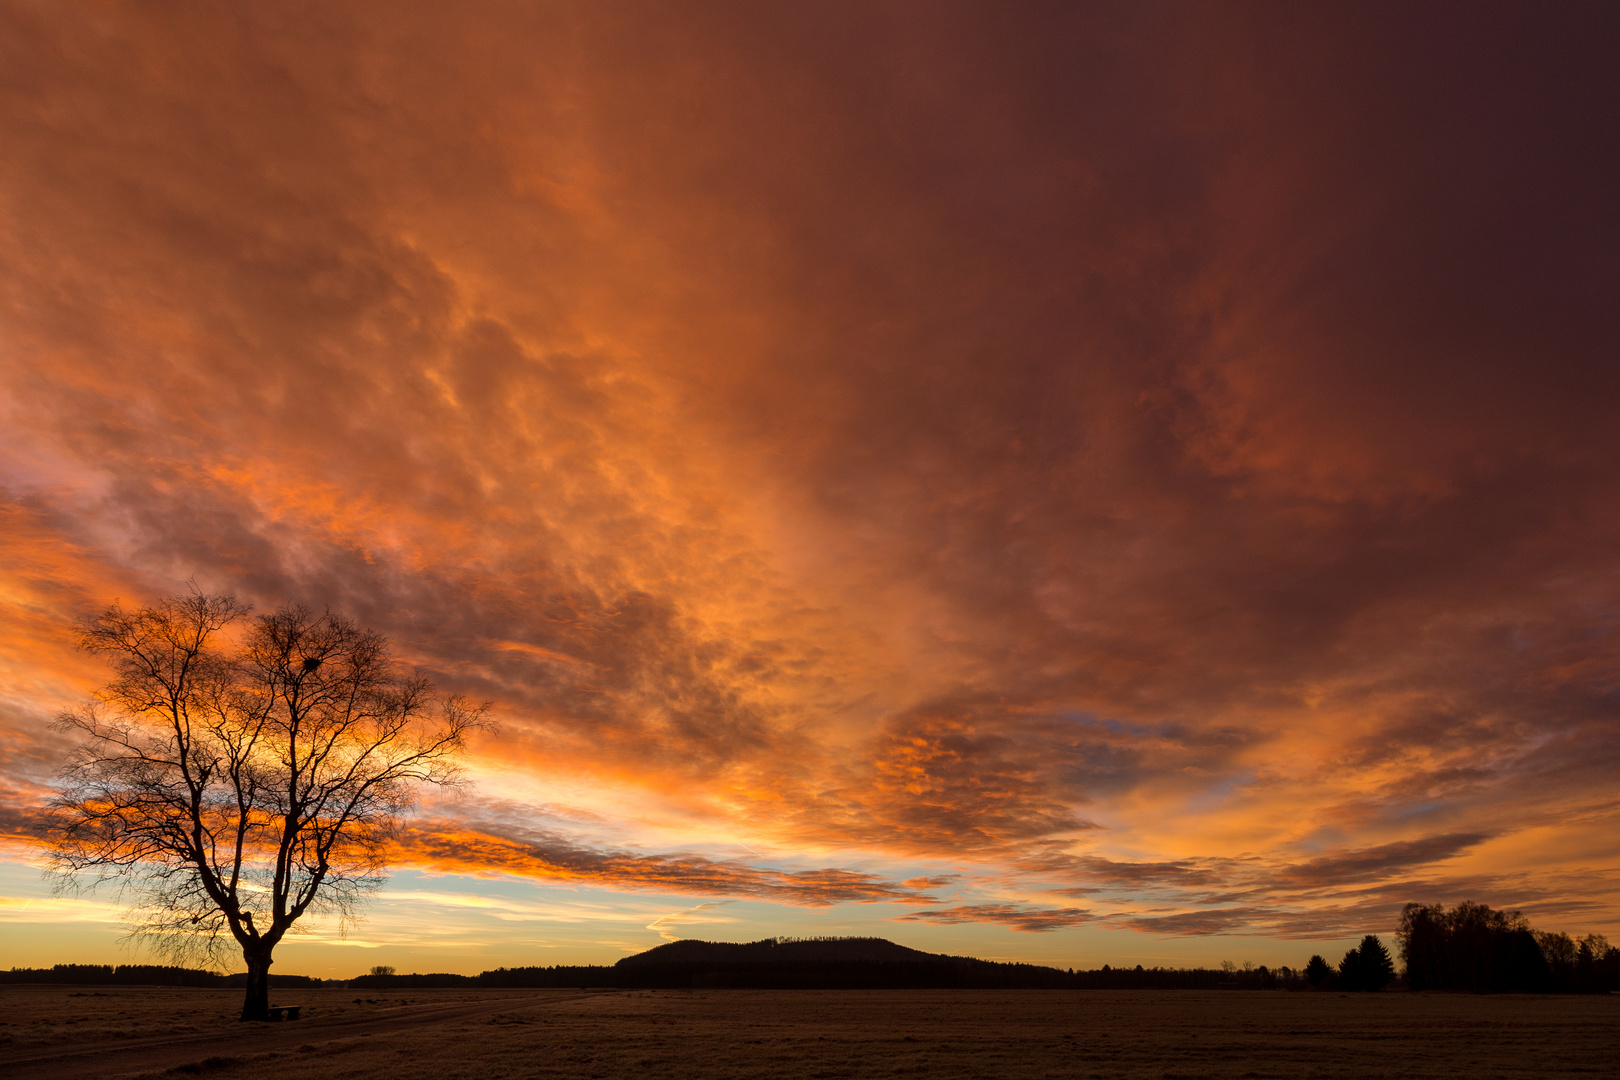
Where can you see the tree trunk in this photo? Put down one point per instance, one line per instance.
(256, 1006)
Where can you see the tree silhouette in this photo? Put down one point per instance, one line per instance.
(1424, 942)
(1473, 947)
(1370, 966)
(1317, 971)
(1562, 955)
(232, 786)
(1590, 958)
(1350, 977)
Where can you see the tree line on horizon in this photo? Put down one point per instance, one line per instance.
(147, 975)
(1470, 948)
(1474, 948)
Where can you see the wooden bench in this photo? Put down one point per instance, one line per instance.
(282, 1012)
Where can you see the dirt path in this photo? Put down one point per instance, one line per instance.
(126, 1056)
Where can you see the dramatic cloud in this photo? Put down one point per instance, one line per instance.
(1373, 864)
(443, 847)
(1029, 920)
(912, 453)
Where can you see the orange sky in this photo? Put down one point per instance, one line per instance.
(1040, 480)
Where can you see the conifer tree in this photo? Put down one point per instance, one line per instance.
(1350, 970)
(1317, 971)
(1377, 968)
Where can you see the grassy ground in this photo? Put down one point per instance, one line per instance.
(40, 1018)
(830, 1034)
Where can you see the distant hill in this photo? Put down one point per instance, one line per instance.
(821, 964)
(828, 963)
(822, 950)
(861, 963)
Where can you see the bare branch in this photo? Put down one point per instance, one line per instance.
(228, 788)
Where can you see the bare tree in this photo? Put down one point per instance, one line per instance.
(239, 772)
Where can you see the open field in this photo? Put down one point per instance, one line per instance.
(70, 1032)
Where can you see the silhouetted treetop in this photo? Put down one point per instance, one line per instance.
(1367, 966)
(1473, 947)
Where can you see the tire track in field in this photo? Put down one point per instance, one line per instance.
(127, 1056)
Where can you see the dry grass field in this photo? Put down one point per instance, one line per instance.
(87, 1032)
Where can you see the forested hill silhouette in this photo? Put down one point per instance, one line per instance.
(831, 963)
(820, 963)
(818, 950)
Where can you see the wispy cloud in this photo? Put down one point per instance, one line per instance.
(702, 913)
(1031, 920)
(59, 910)
(447, 846)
